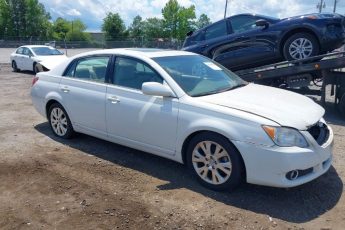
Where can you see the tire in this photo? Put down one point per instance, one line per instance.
(341, 105)
(14, 67)
(300, 46)
(59, 121)
(224, 172)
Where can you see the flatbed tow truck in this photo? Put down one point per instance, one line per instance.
(299, 75)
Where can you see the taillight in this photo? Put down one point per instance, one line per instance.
(34, 80)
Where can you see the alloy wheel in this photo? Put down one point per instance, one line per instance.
(212, 162)
(300, 48)
(58, 121)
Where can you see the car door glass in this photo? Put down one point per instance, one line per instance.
(243, 23)
(92, 69)
(217, 30)
(133, 73)
(19, 50)
(27, 52)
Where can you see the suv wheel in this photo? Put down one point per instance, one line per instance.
(300, 46)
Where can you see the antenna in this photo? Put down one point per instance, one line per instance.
(321, 5)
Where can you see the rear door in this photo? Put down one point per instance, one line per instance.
(18, 57)
(83, 91)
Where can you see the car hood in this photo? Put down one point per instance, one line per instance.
(51, 61)
(281, 106)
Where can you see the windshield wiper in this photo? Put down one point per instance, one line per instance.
(239, 86)
(220, 91)
(212, 92)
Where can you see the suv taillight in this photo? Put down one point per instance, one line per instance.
(34, 80)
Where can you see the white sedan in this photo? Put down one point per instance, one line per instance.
(187, 108)
(27, 57)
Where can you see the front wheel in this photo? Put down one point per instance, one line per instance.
(60, 122)
(214, 161)
(300, 46)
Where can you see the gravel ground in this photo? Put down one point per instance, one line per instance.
(87, 183)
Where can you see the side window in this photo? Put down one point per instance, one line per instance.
(243, 23)
(27, 52)
(217, 30)
(133, 73)
(19, 50)
(92, 69)
(197, 38)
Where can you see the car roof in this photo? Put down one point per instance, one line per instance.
(139, 52)
(35, 46)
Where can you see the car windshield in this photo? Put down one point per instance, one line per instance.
(198, 75)
(46, 51)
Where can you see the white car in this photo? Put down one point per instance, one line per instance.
(27, 57)
(187, 108)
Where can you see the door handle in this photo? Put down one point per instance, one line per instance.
(65, 89)
(113, 99)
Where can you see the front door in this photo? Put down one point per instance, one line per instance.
(135, 119)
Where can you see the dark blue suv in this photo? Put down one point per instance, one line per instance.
(249, 40)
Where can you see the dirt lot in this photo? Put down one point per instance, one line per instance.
(87, 183)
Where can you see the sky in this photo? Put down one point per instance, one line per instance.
(92, 12)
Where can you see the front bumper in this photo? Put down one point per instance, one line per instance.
(269, 165)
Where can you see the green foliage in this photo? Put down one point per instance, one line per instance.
(60, 28)
(24, 18)
(70, 30)
(178, 20)
(136, 28)
(114, 27)
(152, 28)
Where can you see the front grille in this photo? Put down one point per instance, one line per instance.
(319, 132)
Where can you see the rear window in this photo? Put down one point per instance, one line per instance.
(19, 50)
(216, 30)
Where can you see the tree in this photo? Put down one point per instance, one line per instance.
(70, 30)
(177, 20)
(24, 18)
(170, 17)
(114, 27)
(60, 28)
(152, 28)
(76, 31)
(202, 21)
(186, 22)
(136, 28)
(5, 22)
(37, 20)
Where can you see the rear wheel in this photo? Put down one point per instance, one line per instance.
(341, 105)
(14, 66)
(60, 122)
(214, 161)
(300, 46)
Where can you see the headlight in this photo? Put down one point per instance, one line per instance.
(285, 137)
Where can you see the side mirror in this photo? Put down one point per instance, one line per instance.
(262, 23)
(156, 89)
